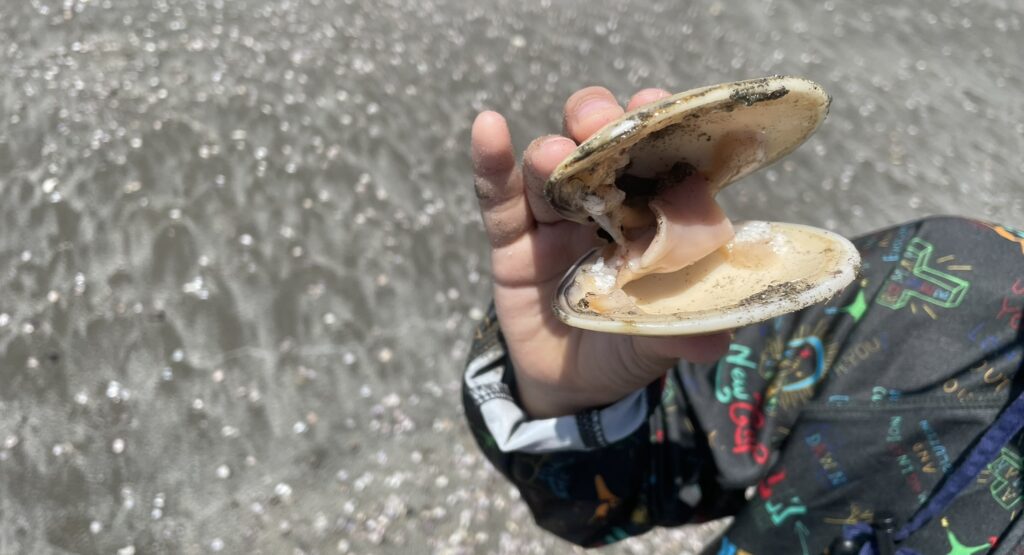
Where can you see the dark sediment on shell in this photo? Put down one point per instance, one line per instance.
(782, 290)
(636, 186)
(757, 92)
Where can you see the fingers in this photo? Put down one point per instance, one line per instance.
(499, 184)
(507, 212)
(541, 158)
(645, 97)
(588, 110)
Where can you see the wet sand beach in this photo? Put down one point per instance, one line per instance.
(240, 256)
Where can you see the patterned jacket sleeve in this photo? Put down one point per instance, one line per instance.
(603, 474)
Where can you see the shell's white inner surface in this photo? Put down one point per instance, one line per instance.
(768, 269)
(762, 255)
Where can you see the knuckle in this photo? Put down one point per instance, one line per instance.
(483, 188)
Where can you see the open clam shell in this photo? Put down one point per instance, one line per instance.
(721, 133)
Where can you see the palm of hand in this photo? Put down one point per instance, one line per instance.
(526, 274)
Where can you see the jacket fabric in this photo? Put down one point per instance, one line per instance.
(812, 421)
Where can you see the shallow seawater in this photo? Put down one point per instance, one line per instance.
(240, 257)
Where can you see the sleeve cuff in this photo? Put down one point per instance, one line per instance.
(489, 381)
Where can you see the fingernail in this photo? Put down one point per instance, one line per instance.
(591, 106)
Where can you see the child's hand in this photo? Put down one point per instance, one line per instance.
(559, 369)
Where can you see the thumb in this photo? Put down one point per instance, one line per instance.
(663, 352)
